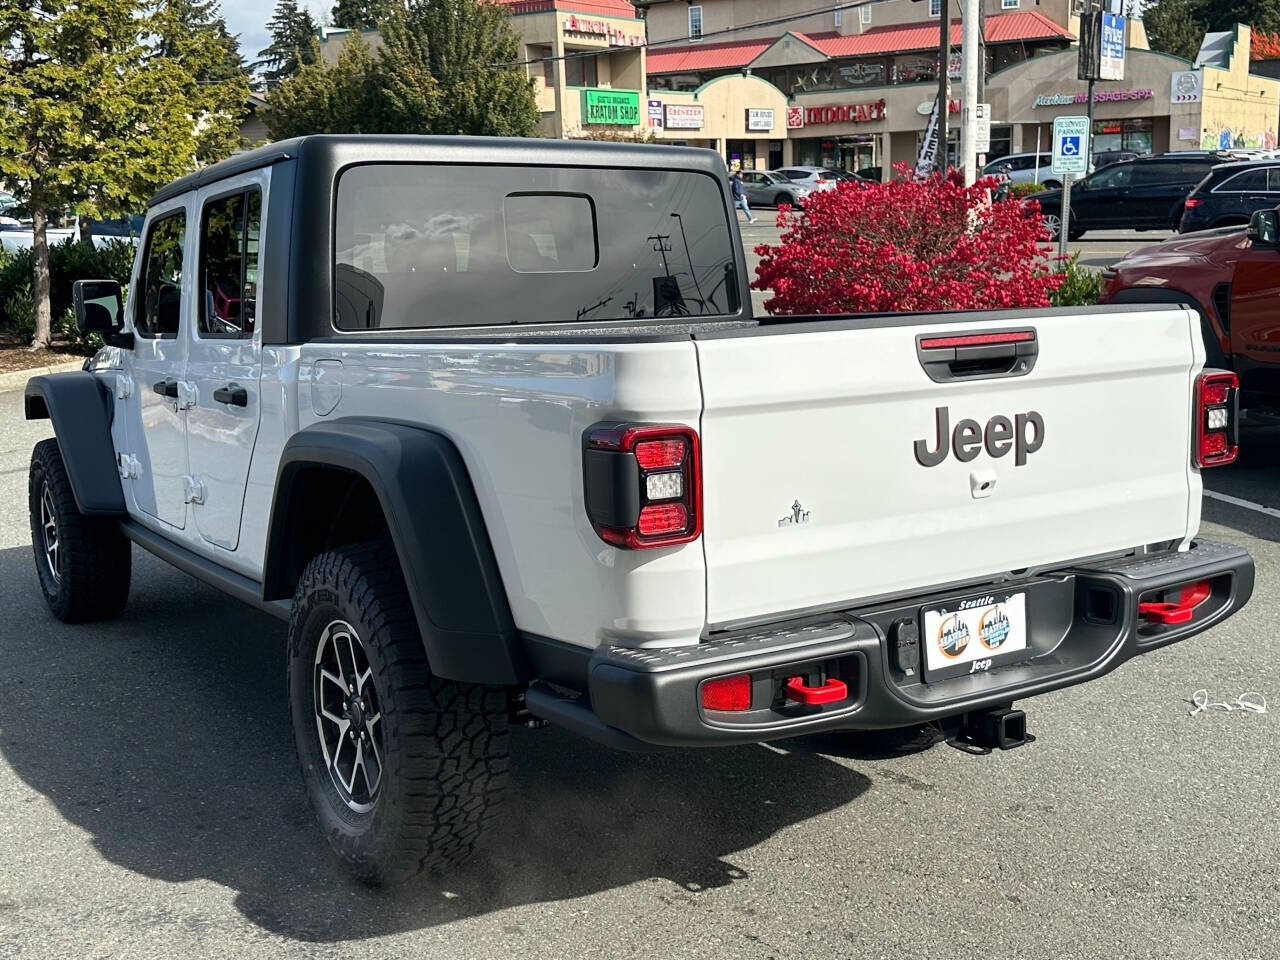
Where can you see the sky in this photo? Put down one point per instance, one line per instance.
(248, 18)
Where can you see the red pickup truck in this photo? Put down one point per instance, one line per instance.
(1231, 275)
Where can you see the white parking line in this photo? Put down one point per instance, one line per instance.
(1238, 502)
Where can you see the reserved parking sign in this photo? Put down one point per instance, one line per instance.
(1070, 145)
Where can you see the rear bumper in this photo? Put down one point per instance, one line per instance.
(1083, 622)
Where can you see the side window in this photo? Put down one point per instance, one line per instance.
(1252, 181)
(1273, 180)
(159, 302)
(1112, 177)
(229, 229)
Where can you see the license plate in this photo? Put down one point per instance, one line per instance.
(968, 635)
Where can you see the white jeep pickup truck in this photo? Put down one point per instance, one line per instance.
(491, 424)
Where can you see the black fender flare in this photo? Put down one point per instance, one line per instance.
(1214, 357)
(79, 406)
(438, 530)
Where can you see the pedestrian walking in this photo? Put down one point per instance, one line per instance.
(740, 196)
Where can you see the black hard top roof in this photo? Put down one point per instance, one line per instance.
(524, 151)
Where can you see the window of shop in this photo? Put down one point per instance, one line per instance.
(695, 22)
(915, 69)
(1001, 142)
(1109, 135)
(935, 8)
(864, 14)
(580, 71)
(837, 18)
(1008, 4)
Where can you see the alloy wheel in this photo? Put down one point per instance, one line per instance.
(1053, 225)
(49, 531)
(348, 716)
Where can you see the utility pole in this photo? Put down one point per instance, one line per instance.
(944, 76)
(971, 18)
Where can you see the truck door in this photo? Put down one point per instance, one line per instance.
(1255, 318)
(225, 354)
(156, 424)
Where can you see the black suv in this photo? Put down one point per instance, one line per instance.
(1143, 194)
(1231, 193)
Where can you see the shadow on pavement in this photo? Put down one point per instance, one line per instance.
(164, 735)
(1255, 476)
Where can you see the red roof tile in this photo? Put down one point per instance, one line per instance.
(704, 56)
(1001, 28)
(901, 38)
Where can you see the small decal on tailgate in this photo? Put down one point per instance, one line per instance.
(798, 515)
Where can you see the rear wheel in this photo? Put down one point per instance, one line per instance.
(1052, 225)
(83, 563)
(782, 198)
(404, 769)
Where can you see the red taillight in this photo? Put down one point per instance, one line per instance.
(643, 484)
(727, 693)
(1216, 413)
(1193, 202)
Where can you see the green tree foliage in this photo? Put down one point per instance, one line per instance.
(293, 32)
(1179, 26)
(466, 38)
(354, 14)
(95, 117)
(322, 98)
(435, 74)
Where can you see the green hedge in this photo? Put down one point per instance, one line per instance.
(1081, 288)
(1019, 190)
(68, 261)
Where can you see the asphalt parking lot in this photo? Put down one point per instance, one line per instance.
(152, 807)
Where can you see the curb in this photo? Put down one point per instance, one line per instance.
(17, 379)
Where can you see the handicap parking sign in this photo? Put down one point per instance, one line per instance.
(1070, 145)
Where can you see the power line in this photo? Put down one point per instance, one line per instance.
(770, 22)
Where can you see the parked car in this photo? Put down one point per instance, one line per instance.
(1231, 277)
(769, 189)
(1231, 193)
(1143, 194)
(1108, 157)
(873, 174)
(433, 430)
(1023, 168)
(814, 178)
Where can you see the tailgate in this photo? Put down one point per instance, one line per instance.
(819, 441)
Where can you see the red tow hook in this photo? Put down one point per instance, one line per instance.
(829, 692)
(1191, 596)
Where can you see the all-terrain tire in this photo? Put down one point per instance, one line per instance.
(84, 564)
(444, 753)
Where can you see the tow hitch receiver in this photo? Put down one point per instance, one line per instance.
(996, 728)
(829, 692)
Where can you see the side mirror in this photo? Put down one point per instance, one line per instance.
(99, 308)
(1264, 228)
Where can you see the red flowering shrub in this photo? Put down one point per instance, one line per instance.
(907, 246)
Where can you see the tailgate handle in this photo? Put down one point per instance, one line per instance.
(971, 356)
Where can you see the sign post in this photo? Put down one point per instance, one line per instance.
(1070, 159)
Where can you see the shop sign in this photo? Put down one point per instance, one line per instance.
(655, 114)
(1101, 96)
(1111, 53)
(1188, 134)
(795, 118)
(1186, 86)
(759, 118)
(851, 113)
(588, 27)
(617, 107)
(684, 116)
(925, 107)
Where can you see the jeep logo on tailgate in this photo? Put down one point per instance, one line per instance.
(1024, 436)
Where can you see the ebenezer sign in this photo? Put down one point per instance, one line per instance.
(684, 116)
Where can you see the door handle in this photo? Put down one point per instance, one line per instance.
(166, 388)
(232, 393)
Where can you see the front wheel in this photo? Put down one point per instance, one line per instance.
(404, 769)
(785, 198)
(83, 563)
(1052, 225)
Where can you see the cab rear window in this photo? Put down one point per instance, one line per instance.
(419, 246)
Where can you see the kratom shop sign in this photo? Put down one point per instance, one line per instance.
(617, 107)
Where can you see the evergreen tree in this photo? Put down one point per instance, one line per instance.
(354, 14)
(323, 98)
(293, 31)
(456, 42)
(179, 20)
(95, 118)
(1172, 27)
